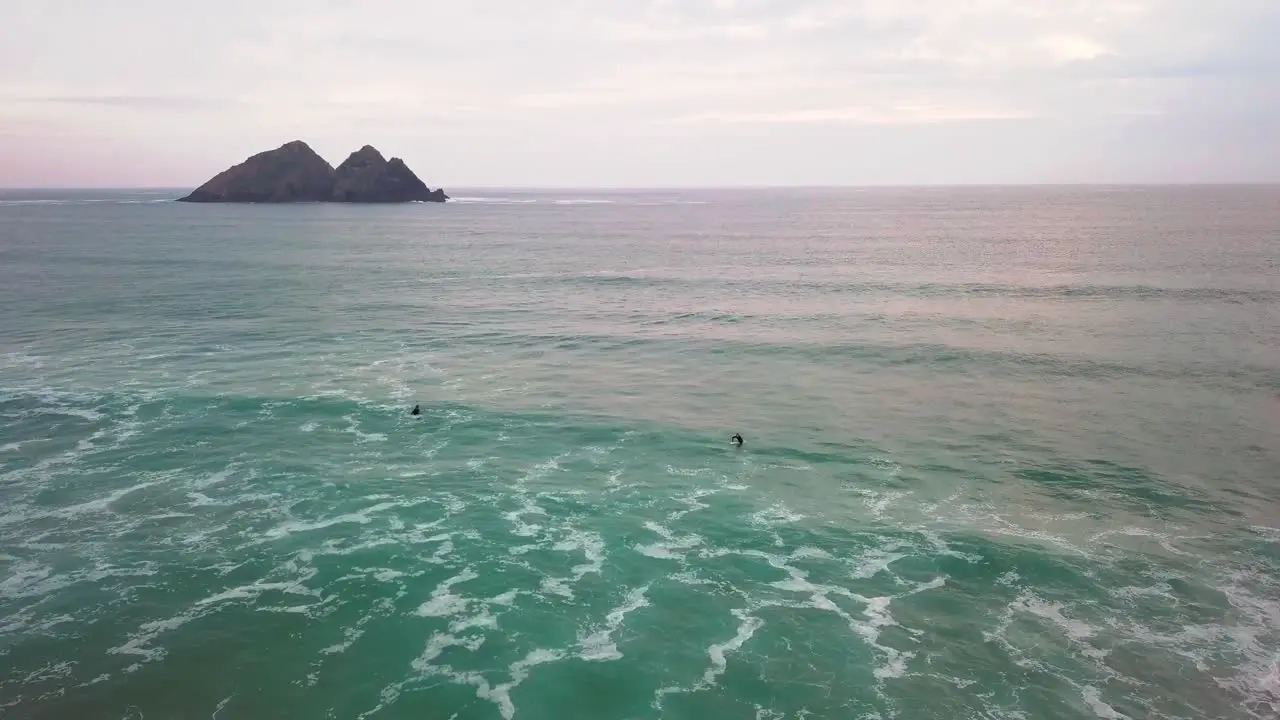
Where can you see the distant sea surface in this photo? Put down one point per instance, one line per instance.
(1009, 453)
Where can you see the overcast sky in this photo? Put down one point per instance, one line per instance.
(647, 92)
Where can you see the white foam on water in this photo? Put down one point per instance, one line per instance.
(999, 636)
(592, 546)
(335, 546)
(98, 680)
(388, 697)
(1257, 638)
(878, 503)
(500, 695)
(102, 504)
(32, 579)
(452, 504)
(443, 606)
(138, 643)
(776, 514)
(80, 412)
(593, 549)
(217, 478)
(798, 582)
(52, 671)
(1077, 631)
(812, 553)
(521, 528)
(311, 611)
(528, 504)
(1074, 629)
(19, 358)
(689, 577)
(1093, 698)
(92, 441)
(360, 517)
(658, 552)
(873, 562)
(442, 553)
(362, 437)
(614, 484)
(482, 619)
(1162, 539)
(718, 652)
(222, 704)
(443, 602)
(167, 516)
(435, 450)
(28, 579)
(986, 520)
(687, 472)
(599, 646)
(1269, 533)
(1133, 592)
(15, 446)
(438, 643)
(878, 616)
(693, 500)
(506, 599)
(352, 635)
(253, 590)
(423, 665)
(671, 545)
(942, 547)
(21, 620)
(492, 200)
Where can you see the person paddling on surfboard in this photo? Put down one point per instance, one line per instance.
(736, 439)
(417, 410)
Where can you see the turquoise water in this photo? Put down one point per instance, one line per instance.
(1009, 454)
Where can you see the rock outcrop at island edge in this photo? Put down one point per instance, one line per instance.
(294, 172)
(366, 177)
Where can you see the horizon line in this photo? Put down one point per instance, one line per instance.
(650, 188)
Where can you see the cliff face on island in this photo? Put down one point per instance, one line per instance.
(294, 172)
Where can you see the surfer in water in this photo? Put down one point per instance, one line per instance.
(736, 439)
(417, 410)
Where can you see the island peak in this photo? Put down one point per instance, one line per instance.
(294, 172)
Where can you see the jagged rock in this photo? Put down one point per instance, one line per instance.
(367, 177)
(292, 172)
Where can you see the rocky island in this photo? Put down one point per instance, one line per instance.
(294, 172)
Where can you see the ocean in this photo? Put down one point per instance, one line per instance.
(1009, 453)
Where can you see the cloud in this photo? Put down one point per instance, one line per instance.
(900, 115)
(142, 102)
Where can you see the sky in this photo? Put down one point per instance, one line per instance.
(647, 93)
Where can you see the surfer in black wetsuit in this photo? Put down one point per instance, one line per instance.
(737, 439)
(416, 410)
